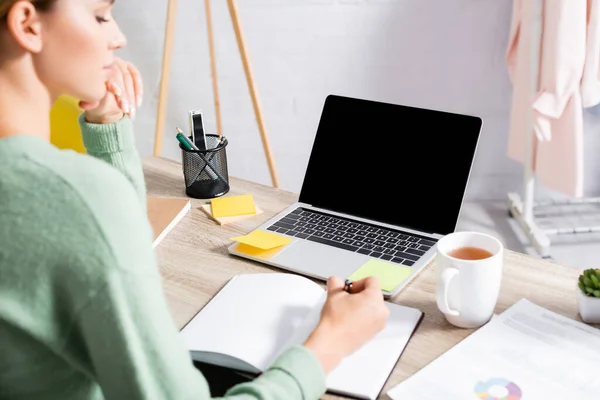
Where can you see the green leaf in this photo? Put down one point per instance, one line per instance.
(581, 287)
(596, 282)
(587, 281)
(597, 293)
(598, 273)
(589, 290)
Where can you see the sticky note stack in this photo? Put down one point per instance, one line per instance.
(261, 243)
(230, 209)
(257, 243)
(390, 275)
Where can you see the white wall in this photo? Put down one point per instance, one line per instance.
(444, 54)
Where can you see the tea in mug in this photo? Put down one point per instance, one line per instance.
(470, 253)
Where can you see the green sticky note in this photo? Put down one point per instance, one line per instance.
(390, 275)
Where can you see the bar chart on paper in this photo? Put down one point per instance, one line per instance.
(526, 353)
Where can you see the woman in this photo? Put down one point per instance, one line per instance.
(82, 314)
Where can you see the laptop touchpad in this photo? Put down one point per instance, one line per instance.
(319, 260)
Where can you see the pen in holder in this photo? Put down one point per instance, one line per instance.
(205, 171)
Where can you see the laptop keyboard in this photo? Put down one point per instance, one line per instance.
(363, 238)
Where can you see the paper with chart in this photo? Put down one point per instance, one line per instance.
(525, 353)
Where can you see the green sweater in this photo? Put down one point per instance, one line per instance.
(82, 311)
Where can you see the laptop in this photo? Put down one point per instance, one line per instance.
(383, 182)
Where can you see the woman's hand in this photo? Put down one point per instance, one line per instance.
(348, 320)
(124, 94)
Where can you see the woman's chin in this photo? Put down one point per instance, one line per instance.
(84, 105)
(95, 95)
(88, 100)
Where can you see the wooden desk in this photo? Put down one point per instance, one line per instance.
(195, 265)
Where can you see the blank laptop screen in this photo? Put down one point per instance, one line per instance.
(396, 164)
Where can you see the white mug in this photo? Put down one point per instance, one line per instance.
(467, 290)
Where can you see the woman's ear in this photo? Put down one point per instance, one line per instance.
(24, 24)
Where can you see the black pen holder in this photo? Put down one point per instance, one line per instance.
(205, 171)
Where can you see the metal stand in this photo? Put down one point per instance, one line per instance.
(166, 71)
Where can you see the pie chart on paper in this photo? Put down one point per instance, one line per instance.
(498, 389)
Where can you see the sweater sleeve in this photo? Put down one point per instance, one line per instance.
(296, 374)
(115, 144)
(131, 343)
(137, 354)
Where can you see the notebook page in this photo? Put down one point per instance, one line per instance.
(308, 324)
(364, 373)
(252, 317)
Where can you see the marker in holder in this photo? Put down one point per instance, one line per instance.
(205, 171)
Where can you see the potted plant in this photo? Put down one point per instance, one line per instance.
(588, 296)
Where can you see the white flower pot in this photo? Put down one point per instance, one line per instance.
(589, 307)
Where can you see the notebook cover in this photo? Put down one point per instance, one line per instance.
(164, 214)
(220, 379)
(417, 325)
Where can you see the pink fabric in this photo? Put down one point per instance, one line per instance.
(557, 105)
(590, 83)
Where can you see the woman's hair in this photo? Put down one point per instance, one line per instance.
(5, 5)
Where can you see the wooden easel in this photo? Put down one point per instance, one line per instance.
(166, 72)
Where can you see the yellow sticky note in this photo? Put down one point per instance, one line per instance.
(233, 206)
(263, 240)
(258, 253)
(207, 208)
(390, 275)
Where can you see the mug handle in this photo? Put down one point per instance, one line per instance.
(442, 295)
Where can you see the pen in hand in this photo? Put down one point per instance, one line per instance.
(348, 285)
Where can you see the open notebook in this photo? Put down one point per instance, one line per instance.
(164, 213)
(256, 317)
